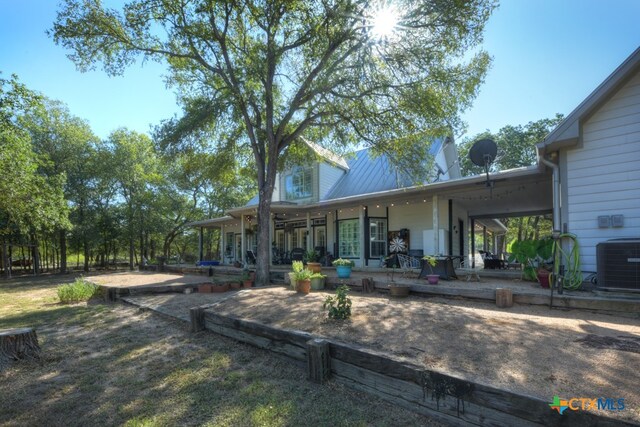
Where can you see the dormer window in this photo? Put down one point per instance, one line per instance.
(297, 184)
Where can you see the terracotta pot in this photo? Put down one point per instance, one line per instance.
(400, 291)
(252, 275)
(433, 279)
(315, 267)
(204, 288)
(223, 287)
(247, 284)
(543, 278)
(303, 286)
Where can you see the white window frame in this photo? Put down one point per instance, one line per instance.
(380, 238)
(349, 238)
(298, 184)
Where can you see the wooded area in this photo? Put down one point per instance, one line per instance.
(73, 200)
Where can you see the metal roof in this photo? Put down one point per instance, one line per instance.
(367, 174)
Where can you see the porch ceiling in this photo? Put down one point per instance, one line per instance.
(512, 197)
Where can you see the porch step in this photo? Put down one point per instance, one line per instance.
(276, 276)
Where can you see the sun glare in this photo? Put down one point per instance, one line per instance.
(383, 22)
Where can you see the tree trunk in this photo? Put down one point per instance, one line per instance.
(17, 344)
(264, 218)
(152, 254)
(36, 255)
(5, 260)
(131, 243)
(85, 247)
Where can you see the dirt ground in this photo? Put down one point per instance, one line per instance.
(527, 349)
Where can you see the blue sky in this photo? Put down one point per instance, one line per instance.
(548, 56)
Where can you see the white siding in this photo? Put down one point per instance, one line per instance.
(329, 176)
(416, 218)
(603, 176)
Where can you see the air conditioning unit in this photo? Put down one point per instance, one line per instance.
(619, 265)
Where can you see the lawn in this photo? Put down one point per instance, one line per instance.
(111, 364)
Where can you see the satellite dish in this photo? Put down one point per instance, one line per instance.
(483, 153)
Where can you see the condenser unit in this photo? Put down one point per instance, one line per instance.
(619, 264)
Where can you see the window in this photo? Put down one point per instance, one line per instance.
(297, 185)
(377, 237)
(349, 236)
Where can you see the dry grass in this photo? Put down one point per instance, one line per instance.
(116, 365)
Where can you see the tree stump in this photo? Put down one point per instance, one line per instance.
(367, 285)
(504, 297)
(18, 344)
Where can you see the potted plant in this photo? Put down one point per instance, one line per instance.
(533, 254)
(317, 281)
(343, 267)
(312, 258)
(431, 261)
(218, 287)
(296, 267)
(246, 280)
(303, 281)
(397, 289)
(204, 288)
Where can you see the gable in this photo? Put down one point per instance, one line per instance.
(568, 132)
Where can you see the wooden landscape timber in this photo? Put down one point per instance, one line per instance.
(434, 394)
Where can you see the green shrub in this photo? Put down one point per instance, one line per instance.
(80, 290)
(340, 305)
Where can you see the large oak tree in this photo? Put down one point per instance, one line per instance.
(264, 73)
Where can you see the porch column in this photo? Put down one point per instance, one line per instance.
(473, 243)
(200, 242)
(272, 237)
(242, 240)
(436, 227)
(223, 246)
(484, 238)
(362, 241)
(309, 236)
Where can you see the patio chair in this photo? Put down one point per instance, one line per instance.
(297, 254)
(408, 264)
(251, 257)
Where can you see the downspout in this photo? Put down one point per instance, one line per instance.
(556, 219)
(556, 193)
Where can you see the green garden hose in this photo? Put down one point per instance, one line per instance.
(572, 276)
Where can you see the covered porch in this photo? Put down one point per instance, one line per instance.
(433, 219)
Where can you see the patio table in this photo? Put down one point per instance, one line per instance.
(443, 268)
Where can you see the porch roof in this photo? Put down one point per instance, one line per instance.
(523, 191)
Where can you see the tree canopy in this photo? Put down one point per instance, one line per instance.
(264, 73)
(31, 201)
(516, 145)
